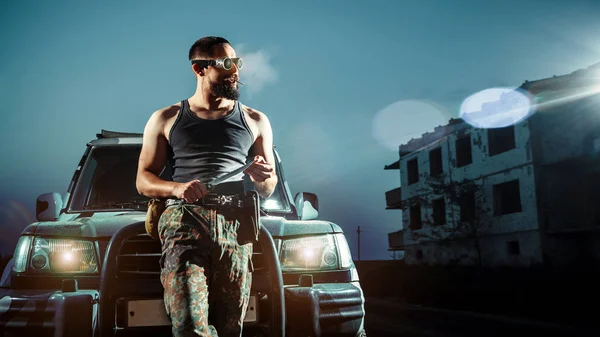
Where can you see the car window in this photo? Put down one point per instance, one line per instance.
(108, 180)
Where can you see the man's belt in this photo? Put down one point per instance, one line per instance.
(214, 200)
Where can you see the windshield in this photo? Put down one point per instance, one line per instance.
(108, 183)
(277, 202)
(108, 180)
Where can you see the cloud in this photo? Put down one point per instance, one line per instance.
(258, 70)
(404, 120)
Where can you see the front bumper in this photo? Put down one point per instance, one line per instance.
(335, 309)
(313, 310)
(48, 313)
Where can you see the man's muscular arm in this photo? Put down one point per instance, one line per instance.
(153, 158)
(262, 172)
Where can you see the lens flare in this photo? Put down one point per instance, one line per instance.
(17, 209)
(404, 120)
(497, 107)
(551, 99)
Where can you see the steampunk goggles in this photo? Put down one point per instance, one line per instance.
(223, 63)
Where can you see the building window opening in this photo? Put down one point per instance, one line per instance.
(467, 207)
(501, 140)
(439, 212)
(464, 155)
(415, 217)
(419, 254)
(435, 162)
(507, 198)
(513, 247)
(413, 171)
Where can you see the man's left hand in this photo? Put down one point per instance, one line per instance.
(260, 170)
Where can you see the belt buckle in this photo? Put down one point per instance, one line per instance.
(224, 200)
(230, 200)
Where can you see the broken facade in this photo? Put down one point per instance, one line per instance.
(532, 187)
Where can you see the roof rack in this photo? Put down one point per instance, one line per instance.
(115, 134)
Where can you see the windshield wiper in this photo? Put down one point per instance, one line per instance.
(137, 204)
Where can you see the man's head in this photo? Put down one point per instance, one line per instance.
(214, 74)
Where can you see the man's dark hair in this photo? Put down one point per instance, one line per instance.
(203, 47)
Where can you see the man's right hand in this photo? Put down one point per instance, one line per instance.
(191, 191)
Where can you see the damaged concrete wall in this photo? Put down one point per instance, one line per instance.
(496, 231)
(568, 129)
(567, 156)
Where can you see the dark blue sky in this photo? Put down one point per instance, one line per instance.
(343, 82)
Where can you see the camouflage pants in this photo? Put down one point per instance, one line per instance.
(204, 271)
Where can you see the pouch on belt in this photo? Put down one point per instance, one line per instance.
(249, 218)
(156, 207)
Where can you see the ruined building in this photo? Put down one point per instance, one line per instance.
(522, 195)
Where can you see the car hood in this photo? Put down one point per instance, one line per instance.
(106, 225)
(280, 227)
(96, 226)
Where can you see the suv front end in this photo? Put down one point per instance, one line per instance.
(90, 269)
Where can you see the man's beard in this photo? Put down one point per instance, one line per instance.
(225, 91)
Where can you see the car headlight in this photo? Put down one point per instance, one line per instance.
(55, 255)
(22, 253)
(322, 252)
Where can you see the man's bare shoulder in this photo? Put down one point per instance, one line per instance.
(167, 112)
(162, 119)
(254, 114)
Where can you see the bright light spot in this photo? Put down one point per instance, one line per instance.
(308, 253)
(496, 108)
(67, 257)
(401, 121)
(270, 204)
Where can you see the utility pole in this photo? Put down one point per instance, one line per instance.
(358, 231)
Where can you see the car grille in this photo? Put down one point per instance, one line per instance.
(140, 258)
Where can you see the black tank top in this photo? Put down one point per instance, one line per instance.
(205, 149)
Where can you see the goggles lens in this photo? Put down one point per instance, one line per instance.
(224, 63)
(238, 62)
(227, 62)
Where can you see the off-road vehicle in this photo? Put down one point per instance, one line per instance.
(88, 268)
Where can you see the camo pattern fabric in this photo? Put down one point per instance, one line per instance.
(204, 271)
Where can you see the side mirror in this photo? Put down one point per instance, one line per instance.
(48, 206)
(307, 205)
